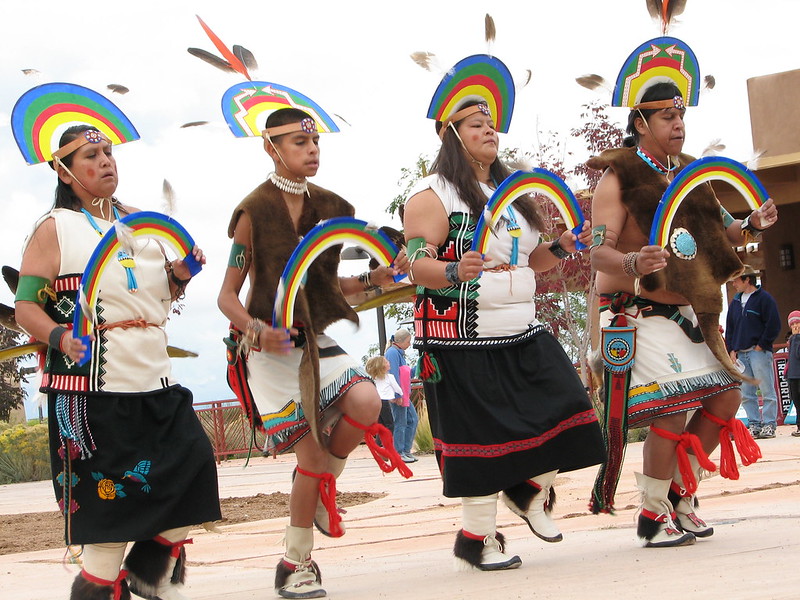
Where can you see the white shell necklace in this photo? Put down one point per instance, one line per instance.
(287, 185)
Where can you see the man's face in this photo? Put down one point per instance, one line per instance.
(739, 284)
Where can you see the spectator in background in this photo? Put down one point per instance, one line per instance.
(389, 390)
(793, 366)
(753, 324)
(404, 413)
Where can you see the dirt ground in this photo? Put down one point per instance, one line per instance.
(42, 531)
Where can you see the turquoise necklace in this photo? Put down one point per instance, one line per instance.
(125, 260)
(654, 163)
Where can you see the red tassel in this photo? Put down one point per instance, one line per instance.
(176, 546)
(116, 584)
(687, 440)
(745, 444)
(387, 457)
(327, 494)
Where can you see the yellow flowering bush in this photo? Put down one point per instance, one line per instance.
(24, 453)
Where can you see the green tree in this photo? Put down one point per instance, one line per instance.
(11, 393)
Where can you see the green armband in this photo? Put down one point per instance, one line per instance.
(237, 258)
(727, 219)
(34, 289)
(413, 246)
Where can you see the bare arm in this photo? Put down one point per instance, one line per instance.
(542, 259)
(425, 217)
(271, 340)
(42, 258)
(608, 210)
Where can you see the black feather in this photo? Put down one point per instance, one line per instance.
(11, 275)
(119, 89)
(244, 55)
(213, 60)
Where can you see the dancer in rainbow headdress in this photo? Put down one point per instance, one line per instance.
(112, 402)
(297, 384)
(660, 306)
(506, 407)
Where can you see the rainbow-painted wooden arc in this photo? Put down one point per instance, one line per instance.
(142, 224)
(42, 114)
(656, 60)
(321, 237)
(536, 181)
(710, 168)
(477, 77)
(244, 106)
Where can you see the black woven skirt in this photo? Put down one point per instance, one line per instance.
(152, 467)
(503, 414)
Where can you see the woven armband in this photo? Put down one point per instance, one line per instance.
(34, 289)
(237, 257)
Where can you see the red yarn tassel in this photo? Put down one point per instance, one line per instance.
(687, 440)
(387, 457)
(176, 546)
(745, 444)
(116, 585)
(327, 494)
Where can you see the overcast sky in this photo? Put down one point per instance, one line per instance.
(353, 59)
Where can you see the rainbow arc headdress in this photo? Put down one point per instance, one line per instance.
(42, 114)
(663, 59)
(481, 78)
(247, 105)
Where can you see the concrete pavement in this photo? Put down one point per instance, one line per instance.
(400, 546)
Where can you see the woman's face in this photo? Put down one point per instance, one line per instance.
(480, 137)
(795, 327)
(664, 132)
(94, 167)
(300, 153)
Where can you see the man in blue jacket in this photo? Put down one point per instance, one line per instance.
(753, 324)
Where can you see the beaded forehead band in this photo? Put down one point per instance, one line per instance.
(676, 102)
(307, 125)
(463, 114)
(90, 136)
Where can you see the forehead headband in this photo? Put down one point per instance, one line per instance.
(463, 114)
(676, 102)
(41, 115)
(307, 125)
(90, 136)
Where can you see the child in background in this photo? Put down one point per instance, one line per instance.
(389, 390)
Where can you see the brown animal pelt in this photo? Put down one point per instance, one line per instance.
(698, 280)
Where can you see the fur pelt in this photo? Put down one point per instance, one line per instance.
(698, 280)
(83, 589)
(282, 572)
(470, 550)
(646, 528)
(273, 240)
(147, 564)
(518, 497)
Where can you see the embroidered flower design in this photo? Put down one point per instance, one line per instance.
(107, 489)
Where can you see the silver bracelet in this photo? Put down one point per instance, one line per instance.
(629, 265)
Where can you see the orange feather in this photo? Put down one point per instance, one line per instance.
(223, 49)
